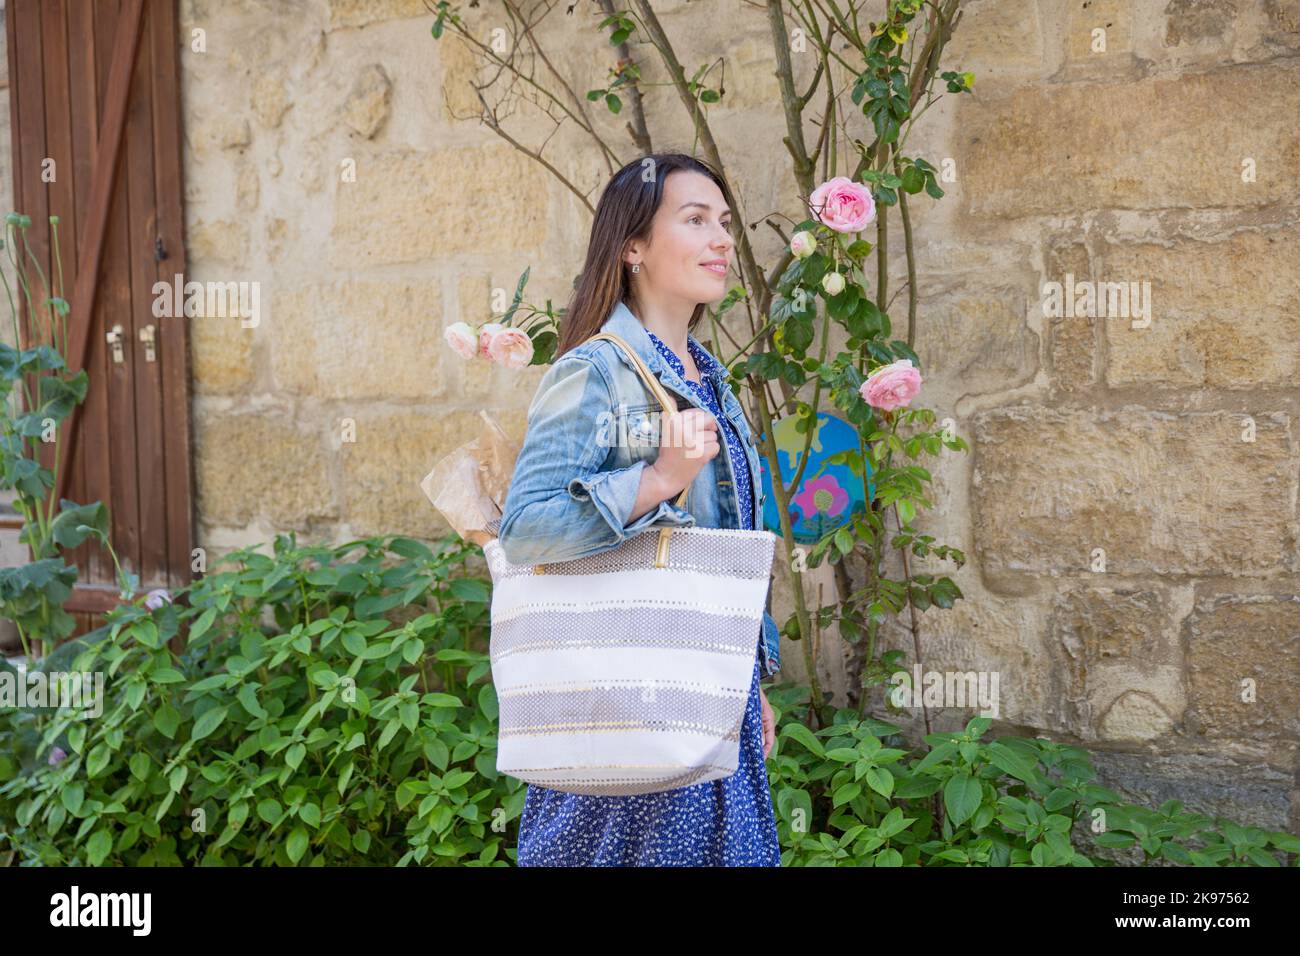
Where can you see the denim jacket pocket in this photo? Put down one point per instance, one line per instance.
(635, 433)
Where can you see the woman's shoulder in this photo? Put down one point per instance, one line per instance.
(602, 355)
(596, 351)
(580, 378)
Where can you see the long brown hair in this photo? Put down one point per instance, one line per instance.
(625, 211)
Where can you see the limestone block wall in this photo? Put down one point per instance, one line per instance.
(1129, 506)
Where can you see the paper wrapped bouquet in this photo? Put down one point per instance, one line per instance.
(469, 485)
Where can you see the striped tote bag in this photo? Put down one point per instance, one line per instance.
(627, 672)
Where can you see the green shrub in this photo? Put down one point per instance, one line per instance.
(334, 706)
(326, 709)
(850, 795)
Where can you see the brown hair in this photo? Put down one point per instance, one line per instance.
(625, 211)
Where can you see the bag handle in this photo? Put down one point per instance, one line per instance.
(660, 393)
(669, 409)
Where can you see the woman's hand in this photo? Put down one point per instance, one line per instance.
(688, 441)
(769, 724)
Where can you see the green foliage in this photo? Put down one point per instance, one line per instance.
(329, 706)
(849, 795)
(32, 595)
(333, 706)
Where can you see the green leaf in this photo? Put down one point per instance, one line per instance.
(162, 807)
(297, 843)
(1010, 762)
(390, 730)
(409, 711)
(74, 523)
(98, 846)
(1113, 840)
(309, 813)
(176, 779)
(166, 719)
(97, 759)
(71, 797)
(140, 765)
(269, 810)
(209, 722)
(881, 781)
(961, 797)
(906, 510)
(913, 180)
(247, 698)
(200, 627)
(844, 794)
(487, 701)
(804, 736)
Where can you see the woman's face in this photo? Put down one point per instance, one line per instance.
(690, 246)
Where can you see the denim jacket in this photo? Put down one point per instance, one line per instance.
(593, 428)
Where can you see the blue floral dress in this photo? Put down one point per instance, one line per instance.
(727, 822)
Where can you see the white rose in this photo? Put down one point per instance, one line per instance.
(803, 244)
(833, 283)
(462, 340)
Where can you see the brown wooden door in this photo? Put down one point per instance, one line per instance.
(94, 87)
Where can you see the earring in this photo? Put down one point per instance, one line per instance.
(636, 267)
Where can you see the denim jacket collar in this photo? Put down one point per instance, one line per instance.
(627, 326)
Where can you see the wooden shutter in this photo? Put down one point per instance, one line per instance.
(94, 86)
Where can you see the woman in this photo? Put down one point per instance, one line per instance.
(594, 471)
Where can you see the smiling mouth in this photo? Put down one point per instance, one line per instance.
(717, 270)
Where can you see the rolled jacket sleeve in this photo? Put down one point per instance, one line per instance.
(771, 637)
(562, 504)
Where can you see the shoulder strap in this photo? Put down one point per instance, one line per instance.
(660, 393)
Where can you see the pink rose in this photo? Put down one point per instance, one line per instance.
(891, 386)
(511, 348)
(843, 205)
(485, 334)
(462, 340)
